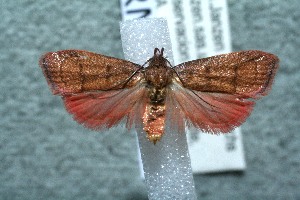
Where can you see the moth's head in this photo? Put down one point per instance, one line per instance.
(158, 53)
(158, 58)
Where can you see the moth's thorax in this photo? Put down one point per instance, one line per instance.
(158, 74)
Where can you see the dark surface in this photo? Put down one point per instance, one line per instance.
(45, 155)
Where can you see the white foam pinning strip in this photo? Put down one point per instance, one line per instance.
(141, 36)
(167, 167)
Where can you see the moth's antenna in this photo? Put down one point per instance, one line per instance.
(156, 50)
(162, 51)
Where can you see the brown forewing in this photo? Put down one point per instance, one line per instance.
(75, 71)
(248, 73)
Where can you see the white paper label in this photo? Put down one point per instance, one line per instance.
(198, 28)
(132, 9)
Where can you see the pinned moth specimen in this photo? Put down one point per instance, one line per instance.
(214, 94)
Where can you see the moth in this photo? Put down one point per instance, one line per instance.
(214, 94)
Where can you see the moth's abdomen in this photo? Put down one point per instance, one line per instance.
(155, 114)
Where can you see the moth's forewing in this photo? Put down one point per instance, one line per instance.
(216, 93)
(97, 90)
(248, 73)
(76, 71)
